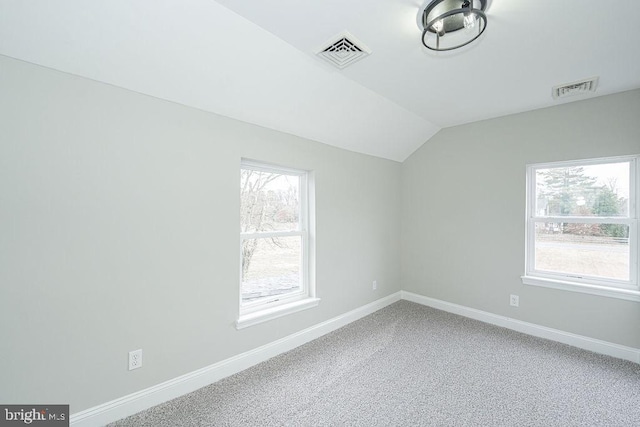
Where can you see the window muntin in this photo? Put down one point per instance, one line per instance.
(582, 224)
(273, 236)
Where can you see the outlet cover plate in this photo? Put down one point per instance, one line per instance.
(135, 359)
(514, 300)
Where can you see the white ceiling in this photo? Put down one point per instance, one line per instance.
(254, 60)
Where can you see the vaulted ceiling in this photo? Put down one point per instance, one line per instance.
(255, 60)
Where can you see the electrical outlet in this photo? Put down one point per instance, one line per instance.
(135, 359)
(514, 300)
(375, 285)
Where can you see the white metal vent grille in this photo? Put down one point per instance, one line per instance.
(343, 50)
(575, 88)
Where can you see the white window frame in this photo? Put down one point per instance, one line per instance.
(628, 290)
(280, 305)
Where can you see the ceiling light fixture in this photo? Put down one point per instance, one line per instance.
(450, 24)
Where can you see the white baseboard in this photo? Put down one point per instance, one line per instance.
(144, 399)
(586, 343)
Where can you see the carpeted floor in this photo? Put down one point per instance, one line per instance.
(410, 365)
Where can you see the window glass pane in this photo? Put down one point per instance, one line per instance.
(270, 266)
(599, 250)
(268, 201)
(590, 190)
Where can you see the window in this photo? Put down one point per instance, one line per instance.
(582, 226)
(274, 242)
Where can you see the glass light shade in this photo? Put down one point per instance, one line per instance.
(470, 20)
(450, 24)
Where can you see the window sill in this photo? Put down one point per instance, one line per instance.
(271, 313)
(605, 291)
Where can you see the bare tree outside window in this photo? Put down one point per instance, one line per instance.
(271, 233)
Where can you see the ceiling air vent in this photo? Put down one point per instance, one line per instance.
(575, 88)
(343, 50)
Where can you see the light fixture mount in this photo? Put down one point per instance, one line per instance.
(451, 24)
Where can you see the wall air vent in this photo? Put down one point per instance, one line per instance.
(575, 88)
(343, 50)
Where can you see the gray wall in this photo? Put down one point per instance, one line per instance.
(463, 215)
(119, 230)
